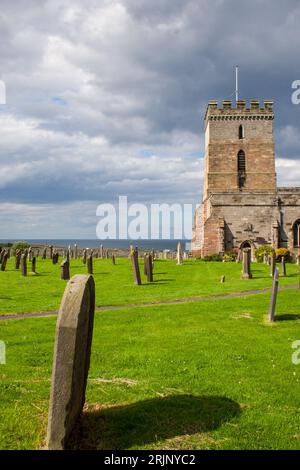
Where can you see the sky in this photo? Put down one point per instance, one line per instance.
(107, 98)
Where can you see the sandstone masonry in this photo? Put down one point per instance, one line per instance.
(242, 206)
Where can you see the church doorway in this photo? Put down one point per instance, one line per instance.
(296, 233)
(248, 244)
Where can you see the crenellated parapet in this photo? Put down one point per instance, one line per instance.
(239, 112)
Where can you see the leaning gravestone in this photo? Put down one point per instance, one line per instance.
(273, 264)
(135, 267)
(71, 359)
(274, 295)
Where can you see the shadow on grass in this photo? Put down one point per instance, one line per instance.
(287, 317)
(146, 422)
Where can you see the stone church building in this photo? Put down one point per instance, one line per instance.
(242, 205)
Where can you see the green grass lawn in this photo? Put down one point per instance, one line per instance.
(206, 375)
(114, 284)
(201, 375)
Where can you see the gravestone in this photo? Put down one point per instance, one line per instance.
(71, 360)
(90, 264)
(55, 258)
(265, 258)
(75, 251)
(149, 268)
(145, 264)
(33, 264)
(44, 255)
(29, 256)
(18, 254)
(179, 253)
(4, 261)
(24, 264)
(1, 255)
(222, 280)
(274, 295)
(283, 266)
(113, 259)
(273, 264)
(65, 270)
(50, 251)
(84, 256)
(246, 271)
(136, 268)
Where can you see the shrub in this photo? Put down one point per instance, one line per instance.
(262, 251)
(282, 252)
(19, 246)
(230, 256)
(214, 257)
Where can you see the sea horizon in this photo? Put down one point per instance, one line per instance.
(95, 243)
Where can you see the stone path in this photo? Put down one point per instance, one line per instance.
(152, 304)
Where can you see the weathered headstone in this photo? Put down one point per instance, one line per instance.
(18, 254)
(149, 268)
(113, 259)
(75, 251)
(65, 270)
(136, 268)
(179, 253)
(145, 264)
(71, 360)
(29, 256)
(222, 280)
(50, 251)
(246, 270)
(33, 264)
(89, 263)
(84, 256)
(44, 255)
(55, 258)
(24, 264)
(4, 261)
(273, 264)
(274, 295)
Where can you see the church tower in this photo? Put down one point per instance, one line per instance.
(239, 148)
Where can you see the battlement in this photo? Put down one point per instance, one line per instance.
(240, 112)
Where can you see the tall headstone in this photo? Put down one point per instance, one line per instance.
(113, 259)
(44, 255)
(283, 266)
(84, 256)
(246, 270)
(4, 261)
(274, 295)
(149, 268)
(65, 270)
(50, 251)
(71, 360)
(135, 267)
(24, 264)
(29, 256)
(33, 264)
(273, 264)
(18, 254)
(75, 251)
(89, 263)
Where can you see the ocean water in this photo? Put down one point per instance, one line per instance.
(158, 245)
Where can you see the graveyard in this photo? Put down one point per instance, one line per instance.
(183, 362)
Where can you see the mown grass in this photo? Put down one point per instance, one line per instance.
(114, 284)
(206, 375)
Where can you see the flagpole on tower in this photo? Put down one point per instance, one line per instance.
(236, 83)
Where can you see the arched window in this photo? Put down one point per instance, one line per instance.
(296, 232)
(241, 168)
(241, 132)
